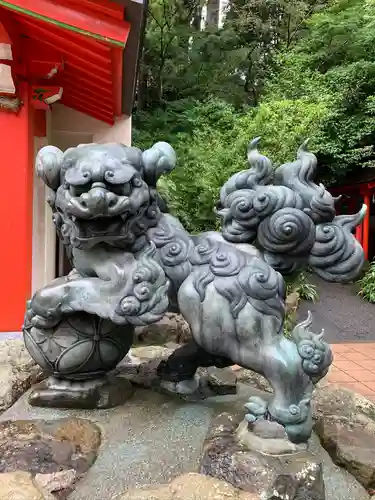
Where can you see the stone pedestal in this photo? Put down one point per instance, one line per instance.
(100, 393)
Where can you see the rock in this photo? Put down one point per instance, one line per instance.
(172, 328)
(221, 380)
(268, 429)
(351, 446)
(345, 423)
(150, 352)
(56, 452)
(189, 487)
(57, 481)
(267, 445)
(17, 372)
(106, 392)
(301, 474)
(330, 399)
(292, 302)
(253, 379)
(140, 368)
(21, 486)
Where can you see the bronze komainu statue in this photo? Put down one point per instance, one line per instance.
(132, 262)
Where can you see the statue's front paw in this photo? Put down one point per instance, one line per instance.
(39, 318)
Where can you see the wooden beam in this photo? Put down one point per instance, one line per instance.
(89, 43)
(67, 47)
(359, 233)
(86, 99)
(16, 132)
(74, 71)
(117, 65)
(71, 86)
(90, 110)
(112, 31)
(105, 7)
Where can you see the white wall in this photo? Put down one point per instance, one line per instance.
(44, 234)
(65, 128)
(70, 128)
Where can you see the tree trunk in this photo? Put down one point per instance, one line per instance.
(213, 10)
(142, 86)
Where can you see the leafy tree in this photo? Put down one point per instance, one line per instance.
(211, 140)
(335, 64)
(311, 76)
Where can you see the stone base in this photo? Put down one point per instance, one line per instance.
(266, 437)
(105, 392)
(286, 474)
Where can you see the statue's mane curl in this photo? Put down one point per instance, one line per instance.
(292, 221)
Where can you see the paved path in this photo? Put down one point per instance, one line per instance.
(345, 317)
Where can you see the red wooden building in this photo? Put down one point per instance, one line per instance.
(67, 75)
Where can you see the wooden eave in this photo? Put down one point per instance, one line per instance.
(84, 43)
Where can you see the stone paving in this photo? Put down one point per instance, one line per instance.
(354, 367)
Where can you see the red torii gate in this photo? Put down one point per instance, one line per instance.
(359, 188)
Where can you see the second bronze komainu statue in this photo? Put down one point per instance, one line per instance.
(133, 262)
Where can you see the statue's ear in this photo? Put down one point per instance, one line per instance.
(48, 166)
(159, 159)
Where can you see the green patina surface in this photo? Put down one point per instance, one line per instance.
(60, 24)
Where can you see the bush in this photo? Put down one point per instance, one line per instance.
(299, 286)
(211, 140)
(367, 284)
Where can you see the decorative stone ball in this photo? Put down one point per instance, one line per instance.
(80, 346)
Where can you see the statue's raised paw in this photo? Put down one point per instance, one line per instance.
(42, 317)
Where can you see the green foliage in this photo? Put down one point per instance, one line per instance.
(309, 66)
(299, 284)
(335, 64)
(231, 62)
(367, 284)
(211, 140)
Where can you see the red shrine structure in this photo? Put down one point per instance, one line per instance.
(359, 188)
(66, 66)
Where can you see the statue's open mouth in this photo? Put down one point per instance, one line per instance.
(100, 226)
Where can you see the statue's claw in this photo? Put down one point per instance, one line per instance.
(47, 319)
(257, 408)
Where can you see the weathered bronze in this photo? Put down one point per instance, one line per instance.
(132, 262)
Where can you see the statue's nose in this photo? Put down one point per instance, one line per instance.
(96, 200)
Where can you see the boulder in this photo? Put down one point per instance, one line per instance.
(171, 328)
(189, 487)
(351, 445)
(251, 378)
(345, 424)
(307, 474)
(331, 399)
(20, 485)
(18, 372)
(54, 452)
(57, 481)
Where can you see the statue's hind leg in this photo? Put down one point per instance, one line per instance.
(181, 366)
(292, 366)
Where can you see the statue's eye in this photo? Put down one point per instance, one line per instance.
(136, 181)
(109, 175)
